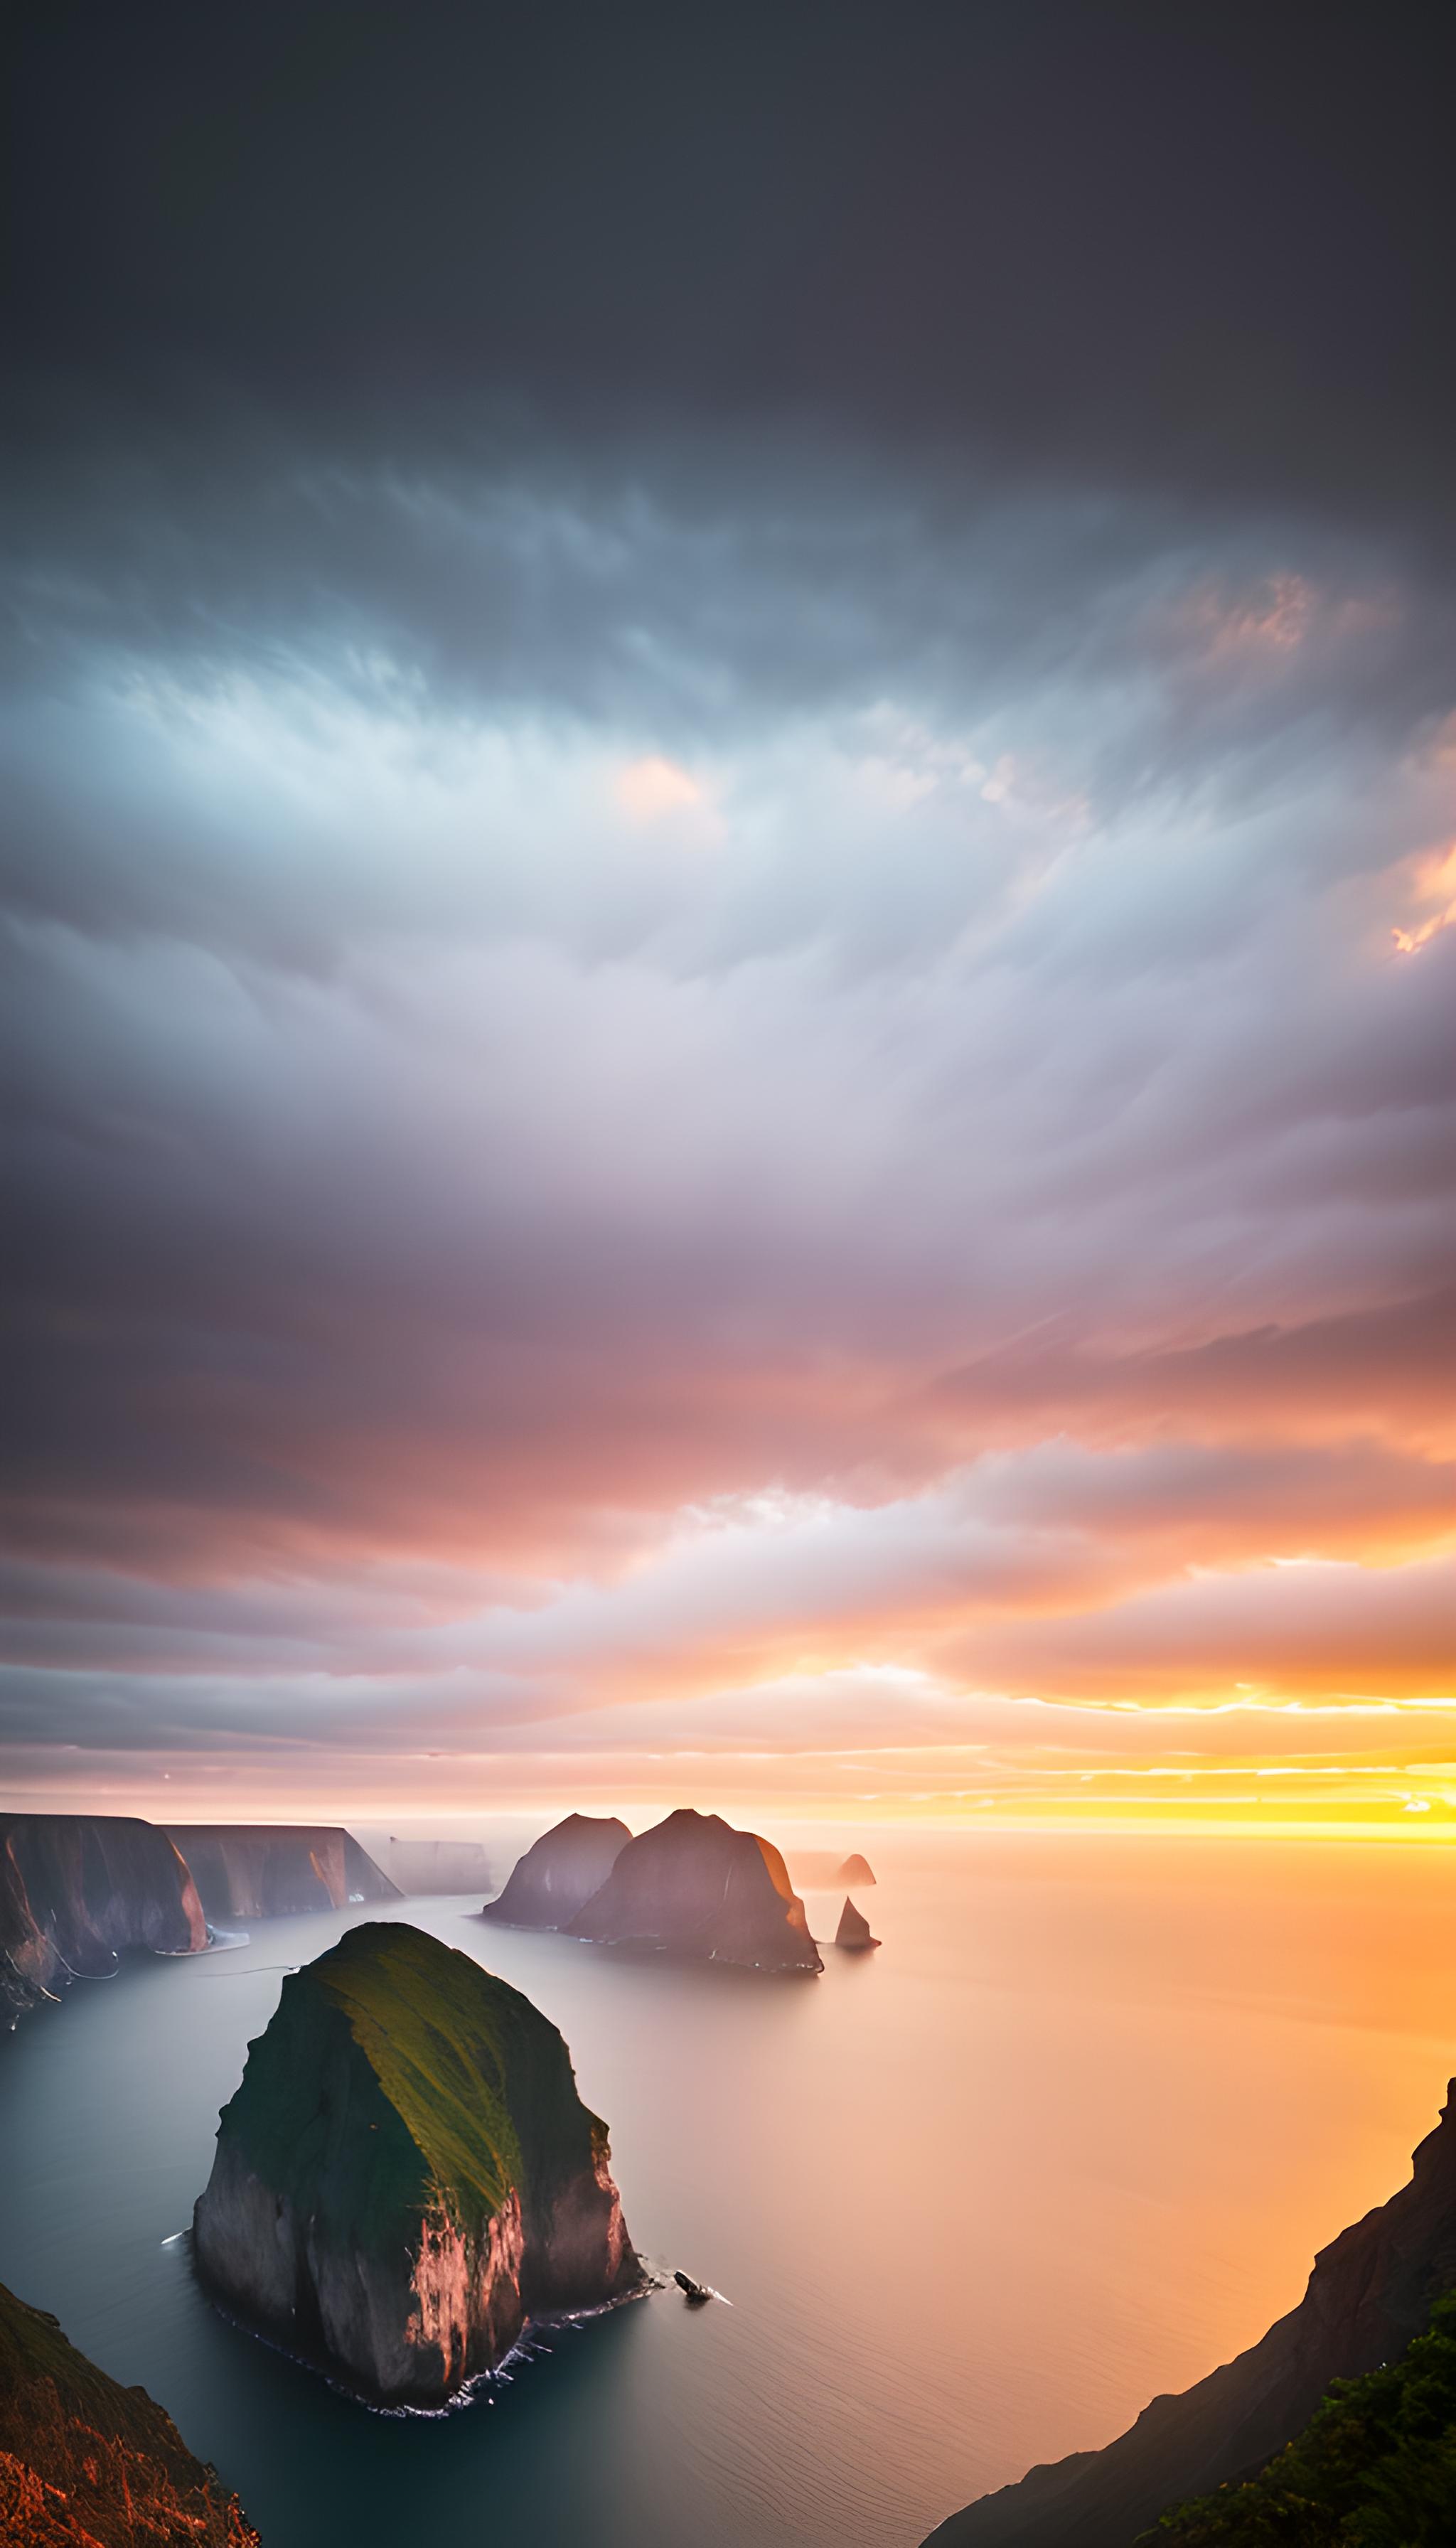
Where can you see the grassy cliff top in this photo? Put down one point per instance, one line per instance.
(397, 2070)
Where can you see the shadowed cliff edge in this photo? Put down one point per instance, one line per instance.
(77, 1891)
(1369, 2295)
(407, 2173)
(1374, 2468)
(85, 2461)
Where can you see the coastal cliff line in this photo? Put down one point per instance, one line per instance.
(77, 1891)
(265, 1871)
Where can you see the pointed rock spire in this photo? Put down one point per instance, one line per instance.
(854, 1928)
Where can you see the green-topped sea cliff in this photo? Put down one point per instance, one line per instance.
(407, 2172)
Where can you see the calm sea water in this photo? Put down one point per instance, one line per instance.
(1071, 2136)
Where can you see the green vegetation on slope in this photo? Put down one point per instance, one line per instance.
(1374, 2468)
(451, 2073)
(83, 2459)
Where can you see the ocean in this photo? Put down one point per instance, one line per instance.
(1068, 2139)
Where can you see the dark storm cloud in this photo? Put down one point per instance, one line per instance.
(1207, 245)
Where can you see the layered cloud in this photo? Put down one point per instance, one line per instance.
(531, 1211)
(739, 1082)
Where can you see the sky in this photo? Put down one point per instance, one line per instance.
(729, 913)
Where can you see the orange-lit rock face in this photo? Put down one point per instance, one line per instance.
(794, 1909)
(85, 2463)
(467, 2292)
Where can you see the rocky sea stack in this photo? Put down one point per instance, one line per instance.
(84, 2460)
(560, 1872)
(853, 1930)
(695, 1886)
(856, 1870)
(407, 2173)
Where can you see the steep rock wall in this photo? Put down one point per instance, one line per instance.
(262, 1871)
(76, 1891)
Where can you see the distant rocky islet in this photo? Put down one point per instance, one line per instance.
(558, 1874)
(691, 1886)
(852, 1932)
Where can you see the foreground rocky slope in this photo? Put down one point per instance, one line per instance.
(262, 1871)
(85, 2463)
(1369, 2295)
(695, 1886)
(76, 1891)
(1376, 2466)
(408, 2173)
(560, 1872)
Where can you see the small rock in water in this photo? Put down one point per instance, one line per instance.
(854, 1929)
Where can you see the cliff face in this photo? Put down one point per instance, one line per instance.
(85, 2463)
(854, 1929)
(260, 1871)
(1369, 2295)
(560, 1872)
(408, 2173)
(76, 1889)
(696, 1888)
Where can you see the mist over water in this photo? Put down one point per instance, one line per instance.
(1071, 2136)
